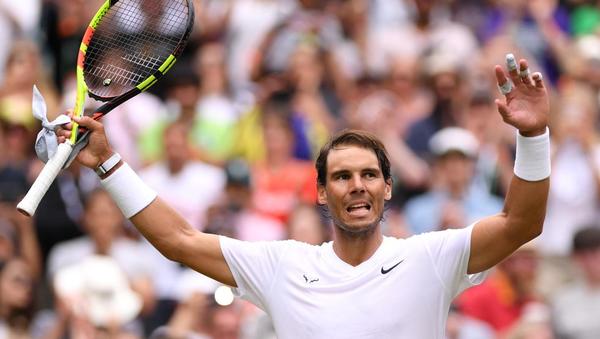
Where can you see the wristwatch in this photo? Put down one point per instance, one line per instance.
(108, 164)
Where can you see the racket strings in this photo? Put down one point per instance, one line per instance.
(131, 42)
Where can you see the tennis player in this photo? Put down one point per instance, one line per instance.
(362, 284)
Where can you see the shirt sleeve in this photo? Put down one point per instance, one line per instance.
(254, 266)
(449, 251)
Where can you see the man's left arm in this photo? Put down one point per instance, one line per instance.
(526, 108)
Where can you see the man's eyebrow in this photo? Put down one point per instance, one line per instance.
(363, 170)
(371, 169)
(339, 172)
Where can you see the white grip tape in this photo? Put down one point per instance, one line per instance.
(532, 161)
(50, 171)
(129, 191)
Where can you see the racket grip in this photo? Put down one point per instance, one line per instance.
(32, 199)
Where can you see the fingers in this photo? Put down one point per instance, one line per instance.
(504, 84)
(513, 72)
(88, 123)
(538, 80)
(519, 76)
(524, 73)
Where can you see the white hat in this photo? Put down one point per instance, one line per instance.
(454, 139)
(588, 47)
(99, 290)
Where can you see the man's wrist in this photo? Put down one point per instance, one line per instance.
(105, 156)
(129, 191)
(532, 160)
(108, 166)
(112, 170)
(534, 133)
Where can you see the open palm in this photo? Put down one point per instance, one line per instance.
(526, 106)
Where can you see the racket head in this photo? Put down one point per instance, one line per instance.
(130, 44)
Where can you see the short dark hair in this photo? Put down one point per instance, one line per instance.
(586, 239)
(354, 138)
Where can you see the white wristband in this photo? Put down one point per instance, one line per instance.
(532, 161)
(129, 191)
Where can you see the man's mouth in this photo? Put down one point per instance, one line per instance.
(358, 209)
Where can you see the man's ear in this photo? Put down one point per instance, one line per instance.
(321, 195)
(388, 189)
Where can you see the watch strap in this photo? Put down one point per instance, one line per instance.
(108, 164)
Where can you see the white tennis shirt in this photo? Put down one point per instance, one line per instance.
(403, 291)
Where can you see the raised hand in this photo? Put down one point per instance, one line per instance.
(526, 105)
(98, 149)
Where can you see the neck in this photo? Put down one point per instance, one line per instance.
(187, 114)
(355, 249)
(457, 191)
(175, 168)
(276, 160)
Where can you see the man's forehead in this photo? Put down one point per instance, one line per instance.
(349, 157)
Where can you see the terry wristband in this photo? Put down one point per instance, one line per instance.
(532, 161)
(129, 191)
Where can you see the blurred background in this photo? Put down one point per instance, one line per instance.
(229, 138)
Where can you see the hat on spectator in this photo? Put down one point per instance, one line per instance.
(98, 289)
(237, 172)
(439, 63)
(588, 47)
(454, 139)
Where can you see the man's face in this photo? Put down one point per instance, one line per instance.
(355, 190)
(102, 219)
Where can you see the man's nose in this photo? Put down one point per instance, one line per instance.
(357, 183)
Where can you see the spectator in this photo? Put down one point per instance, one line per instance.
(500, 301)
(448, 83)
(280, 182)
(429, 31)
(97, 301)
(576, 308)
(494, 165)
(179, 178)
(16, 299)
(17, 19)
(104, 226)
(216, 111)
(576, 150)
(19, 239)
(191, 187)
(453, 199)
(307, 225)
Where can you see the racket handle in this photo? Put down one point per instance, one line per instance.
(39, 188)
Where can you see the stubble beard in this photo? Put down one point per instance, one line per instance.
(357, 232)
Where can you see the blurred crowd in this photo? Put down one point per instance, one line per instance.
(228, 139)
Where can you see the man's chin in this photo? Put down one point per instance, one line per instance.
(359, 229)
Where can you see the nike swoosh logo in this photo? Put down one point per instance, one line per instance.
(384, 271)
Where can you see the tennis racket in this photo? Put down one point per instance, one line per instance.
(128, 46)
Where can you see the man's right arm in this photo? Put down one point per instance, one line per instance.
(166, 230)
(160, 224)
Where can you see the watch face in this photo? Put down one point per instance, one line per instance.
(100, 170)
